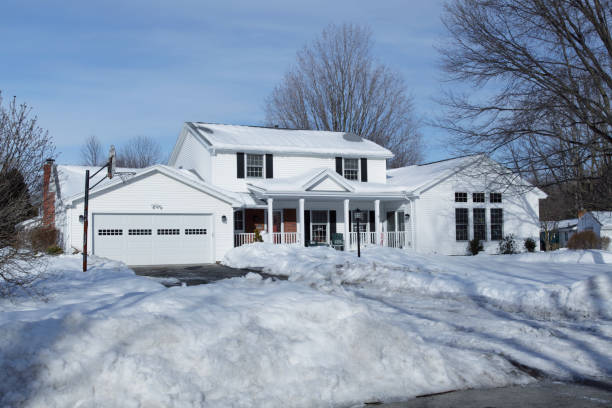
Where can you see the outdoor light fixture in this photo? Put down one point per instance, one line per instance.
(81, 218)
(224, 219)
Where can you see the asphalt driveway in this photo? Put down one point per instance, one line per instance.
(175, 275)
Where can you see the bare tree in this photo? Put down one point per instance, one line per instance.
(337, 85)
(91, 152)
(23, 147)
(546, 70)
(139, 152)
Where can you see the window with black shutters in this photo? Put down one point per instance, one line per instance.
(461, 224)
(351, 169)
(255, 165)
(497, 224)
(495, 197)
(461, 197)
(478, 197)
(480, 224)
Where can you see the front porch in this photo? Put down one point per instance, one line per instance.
(317, 222)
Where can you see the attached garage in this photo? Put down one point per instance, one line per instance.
(154, 239)
(159, 216)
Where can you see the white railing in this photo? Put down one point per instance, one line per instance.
(365, 238)
(285, 237)
(241, 238)
(397, 239)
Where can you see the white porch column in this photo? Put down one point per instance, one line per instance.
(302, 220)
(347, 239)
(377, 239)
(413, 223)
(270, 220)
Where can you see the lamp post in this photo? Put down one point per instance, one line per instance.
(358, 217)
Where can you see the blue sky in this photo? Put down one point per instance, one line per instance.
(117, 69)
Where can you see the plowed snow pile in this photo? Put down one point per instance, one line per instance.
(342, 331)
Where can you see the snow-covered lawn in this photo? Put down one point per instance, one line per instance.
(341, 331)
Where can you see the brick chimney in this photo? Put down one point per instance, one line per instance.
(581, 213)
(48, 204)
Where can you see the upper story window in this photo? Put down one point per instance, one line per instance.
(255, 165)
(495, 197)
(461, 197)
(478, 197)
(351, 169)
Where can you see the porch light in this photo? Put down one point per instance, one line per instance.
(359, 215)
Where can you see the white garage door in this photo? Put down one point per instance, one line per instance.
(142, 239)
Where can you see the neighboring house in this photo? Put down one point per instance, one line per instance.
(223, 182)
(600, 222)
(566, 229)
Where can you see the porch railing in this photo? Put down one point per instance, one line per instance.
(365, 238)
(242, 238)
(285, 237)
(396, 239)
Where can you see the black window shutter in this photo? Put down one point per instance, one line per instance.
(240, 165)
(269, 166)
(332, 222)
(339, 165)
(364, 169)
(307, 226)
(349, 221)
(372, 224)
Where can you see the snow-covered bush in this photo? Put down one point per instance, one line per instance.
(530, 244)
(508, 245)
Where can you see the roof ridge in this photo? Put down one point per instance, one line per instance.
(450, 158)
(269, 127)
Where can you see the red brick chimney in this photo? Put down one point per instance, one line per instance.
(48, 204)
(581, 213)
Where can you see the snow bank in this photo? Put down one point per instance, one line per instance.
(110, 338)
(565, 283)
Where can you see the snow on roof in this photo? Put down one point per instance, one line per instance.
(569, 223)
(604, 218)
(71, 178)
(414, 177)
(254, 138)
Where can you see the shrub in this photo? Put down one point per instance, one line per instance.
(508, 245)
(530, 244)
(605, 243)
(258, 237)
(43, 237)
(584, 240)
(55, 250)
(474, 246)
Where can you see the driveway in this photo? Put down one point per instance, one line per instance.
(175, 275)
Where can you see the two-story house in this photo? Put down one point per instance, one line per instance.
(224, 182)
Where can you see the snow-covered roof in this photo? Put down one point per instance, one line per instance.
(71, 178)
(312, 177)
(415, 177)
(604, 218)
(569, 223)
(274, 140)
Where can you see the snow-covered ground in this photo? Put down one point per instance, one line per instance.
(340, 332)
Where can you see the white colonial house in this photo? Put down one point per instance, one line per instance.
(224, 182)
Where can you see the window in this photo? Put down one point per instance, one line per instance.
(110, 232)
(497, 224)
(238, 221)
(255, 165)
(480, 224)
(495, 198)
(195, 231)
(318, 226)
(461, 197)
(478, 197)
(351, 169)
(401, 221)
(139, 232)
(363, 225)
(168, 231)
(461, 224)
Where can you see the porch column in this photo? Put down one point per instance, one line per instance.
(346, 225)
(301, 226)
(377, 239)
(270, 219)
(413, 223)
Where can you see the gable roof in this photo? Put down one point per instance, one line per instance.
(275, 140)
(421, 177)
(184, 176)
(603, 217)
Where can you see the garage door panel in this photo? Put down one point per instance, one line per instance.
(150, 239)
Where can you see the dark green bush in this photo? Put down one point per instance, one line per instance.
(530, 244)
(475, 246)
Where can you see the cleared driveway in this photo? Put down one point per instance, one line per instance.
(175, 275)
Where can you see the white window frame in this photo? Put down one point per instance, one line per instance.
(263, 165)
(327, 225)
(344, 159)
(242, 216)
